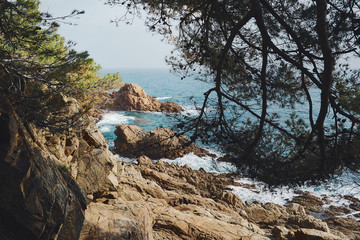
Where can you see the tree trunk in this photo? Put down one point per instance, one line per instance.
(326, 79)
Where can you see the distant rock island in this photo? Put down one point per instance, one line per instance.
(132, 97)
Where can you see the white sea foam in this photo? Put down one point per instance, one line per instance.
(163, 98)
(207, 163)
(259, 192)
(126, 159)
(111, 119)
(190, 111)
(334, 190)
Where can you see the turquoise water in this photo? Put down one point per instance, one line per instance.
(165, 86)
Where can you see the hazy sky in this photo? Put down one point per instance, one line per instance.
(125, 46)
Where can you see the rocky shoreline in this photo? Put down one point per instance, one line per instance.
(200, 205)
(69, 185)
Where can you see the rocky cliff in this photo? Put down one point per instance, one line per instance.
(68, 185)
(38, 199)
(45, 176)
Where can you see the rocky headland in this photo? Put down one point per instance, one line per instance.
(131, 97)
(69, 185)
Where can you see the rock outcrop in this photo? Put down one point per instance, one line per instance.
(133, 97)
(39, 199)
(167, 201)
(46, 173)
(159, 143)
(68, 185)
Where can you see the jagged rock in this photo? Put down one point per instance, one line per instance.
(117, 220)
(145, 161)
(96, 167)
(333, 211)
(133, 97)
(281, 233)
(128, 137)
(159, 143)
(309, 202)
(156, 201)
(265, 213)
(170, 107)
(183, 203)
(355, 203)
(38, 200)
(309, 221)
(313, 234)
(295, 209)
(348, 226)
(96, 171)
(159, 200)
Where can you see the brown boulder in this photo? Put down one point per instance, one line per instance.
(309, 202)
(117, 220)
(313, 234)
(281, 232)
(128, 137)
(133, 97)
(133, 141)
(309, 222)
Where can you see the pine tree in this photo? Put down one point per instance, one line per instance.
(265, 57)
(37, 66)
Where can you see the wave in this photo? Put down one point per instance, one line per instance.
(190, 111)
(163, 98)
(335, 190)
(207, 163)
(111, 119)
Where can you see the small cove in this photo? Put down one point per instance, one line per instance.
(165, 86)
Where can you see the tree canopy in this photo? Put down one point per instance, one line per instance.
(37, 64)
(267, 61)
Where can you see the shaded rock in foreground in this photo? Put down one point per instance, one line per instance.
(133, 141)
(133, 97)
(38, 199)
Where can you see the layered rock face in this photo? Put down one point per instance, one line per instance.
(167, 201)
(159, 143)
(46, 176)
(38, 199)
(133, 97)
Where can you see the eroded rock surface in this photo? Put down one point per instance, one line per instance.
(159, 143)
(133, 97)
(167, 201)
(39, 199)
(45, 178)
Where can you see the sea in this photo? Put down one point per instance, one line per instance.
(189, 93)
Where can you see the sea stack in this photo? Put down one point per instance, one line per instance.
(132, 97)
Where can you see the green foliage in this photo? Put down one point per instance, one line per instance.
(87, 79)
(37, 64)
(64, 167)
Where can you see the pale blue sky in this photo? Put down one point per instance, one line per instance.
(125, 46)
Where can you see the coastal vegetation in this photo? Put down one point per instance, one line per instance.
(37, 65)
(59, 179)
(262, 57)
